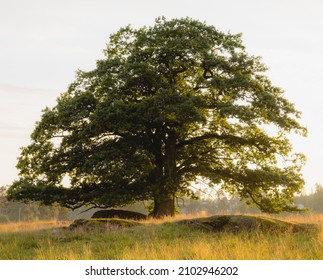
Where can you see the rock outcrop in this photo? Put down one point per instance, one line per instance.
(118, 213)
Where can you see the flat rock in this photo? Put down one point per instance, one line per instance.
(102, 224)
(119, 213)
(238, 223)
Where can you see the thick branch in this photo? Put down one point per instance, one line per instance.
(207, 74)
(213, 136)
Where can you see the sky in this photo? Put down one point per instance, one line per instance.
(43, 43)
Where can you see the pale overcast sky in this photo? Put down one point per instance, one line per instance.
(44, 42)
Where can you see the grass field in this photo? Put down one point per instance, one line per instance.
(156, 239)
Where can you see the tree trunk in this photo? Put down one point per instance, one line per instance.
(164, 196)
(164, 206)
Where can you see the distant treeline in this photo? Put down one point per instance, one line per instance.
(17, 211)
(313, 201)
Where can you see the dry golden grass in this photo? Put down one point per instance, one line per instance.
(179, 217)
(30, 226)
(53, 252)
(305, 218)
(308, 219)
(157, 239)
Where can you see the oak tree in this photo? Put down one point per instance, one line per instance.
(169, 105)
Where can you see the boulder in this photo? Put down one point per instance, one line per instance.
(102, 224)
(118, 213)
(238, 223)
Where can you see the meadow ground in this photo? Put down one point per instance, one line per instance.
(157, 239)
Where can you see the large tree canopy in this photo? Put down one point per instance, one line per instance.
(170, 104)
